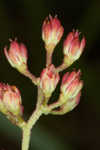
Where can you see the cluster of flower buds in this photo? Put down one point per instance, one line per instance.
(71, 85)
(70, 92)
(52, 31)
(10, 100)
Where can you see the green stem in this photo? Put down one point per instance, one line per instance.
(31, 122)
(48, 58)
(28, 74)
(58, 112)
(27, 129)
(62, 67)
(34, 117)
(26, 138)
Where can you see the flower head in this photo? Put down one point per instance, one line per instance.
(10, 100)
(52, 31)
(71, 85)
(48, 80)
(73, 47)
(17, 55)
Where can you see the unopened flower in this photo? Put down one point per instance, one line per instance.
(73, 47)
(17, 56)
(52, 31)
(71, 85)
(10, 100)
(70, 104)
(48, 80)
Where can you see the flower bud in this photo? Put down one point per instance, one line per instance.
(72, 47)
(71, 85)
(10, 100)
(48, 80)
(17, 56)
(52, 32)
(70, 104)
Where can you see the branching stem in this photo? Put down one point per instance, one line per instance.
(61, 67)
(31, 77)
(31, 122)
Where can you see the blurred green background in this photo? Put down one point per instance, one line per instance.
(79, 129)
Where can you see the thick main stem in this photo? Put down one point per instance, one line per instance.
(26, 138)
(27, 129)
(33, 119)
(31, 122)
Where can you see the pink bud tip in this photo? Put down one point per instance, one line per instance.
(52, 31)
(71, 84)
(48, 80)
(10, 99)
(16, 55)
(73, 47)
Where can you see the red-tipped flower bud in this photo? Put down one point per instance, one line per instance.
(17, 56)
(52, 31)
(10, 100)
(48, 80)
(73, 48)
(71, 85)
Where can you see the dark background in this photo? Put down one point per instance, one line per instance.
(79, 129)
